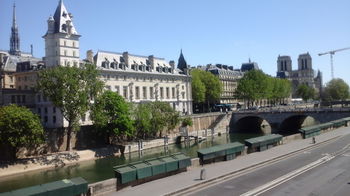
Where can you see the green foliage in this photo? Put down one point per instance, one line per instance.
(205, 87)
(111, 115)
(256, 85)
(305, 92)
(71, 89)
(187, 121)
(19, 127)
(155, 117)
(336, 89)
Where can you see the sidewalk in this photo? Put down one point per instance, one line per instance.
(190, 178)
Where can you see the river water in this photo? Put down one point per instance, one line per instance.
(102, 169)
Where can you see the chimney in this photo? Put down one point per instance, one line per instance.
(172, 64)
(90, 56)
(151, 61)
(126, 58)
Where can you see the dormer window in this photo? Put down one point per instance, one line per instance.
(64, 27)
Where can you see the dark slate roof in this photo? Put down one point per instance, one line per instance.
(182, 65)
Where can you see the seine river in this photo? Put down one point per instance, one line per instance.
(102, 169)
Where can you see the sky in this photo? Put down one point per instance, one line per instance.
(221, 31)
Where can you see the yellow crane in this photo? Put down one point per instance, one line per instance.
(331, 53)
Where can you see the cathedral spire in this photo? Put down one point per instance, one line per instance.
(14, 40)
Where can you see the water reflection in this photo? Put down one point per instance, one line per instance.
(101, 169)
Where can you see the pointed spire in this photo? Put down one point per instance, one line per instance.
(14, 22)
(14, 40)
(63, 20)
(182, 65)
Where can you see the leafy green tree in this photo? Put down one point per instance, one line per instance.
(206, 87)
(198, 87)
(19, 127)
(305, 92)
(71, 89)
(155, 117)
(187, 121)
(111, 115)
(256, 85)
(336, 89)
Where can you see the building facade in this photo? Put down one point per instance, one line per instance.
(305, 74)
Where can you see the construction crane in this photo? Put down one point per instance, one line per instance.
(331, 53)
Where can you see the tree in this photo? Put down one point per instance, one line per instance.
(254, 85)
(71, 89)
(206, 87)
(111, 115)
(19, 127)
(155, 117)
(305, 92)
(336, 89)
(198, 87)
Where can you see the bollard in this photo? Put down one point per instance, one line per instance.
(313, 140)
(203, 174)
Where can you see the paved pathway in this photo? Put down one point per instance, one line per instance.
(190, 178)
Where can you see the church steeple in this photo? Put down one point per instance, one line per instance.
(182, 65)
(14, 40)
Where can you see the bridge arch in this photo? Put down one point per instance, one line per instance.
(293, 123)
(252, 124)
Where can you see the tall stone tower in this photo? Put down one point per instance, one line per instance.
(61, 39)
(284, 63)
(304, 62)
(14, 40)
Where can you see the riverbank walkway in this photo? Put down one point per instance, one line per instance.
(191, 178)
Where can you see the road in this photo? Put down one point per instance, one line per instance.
(331, 177)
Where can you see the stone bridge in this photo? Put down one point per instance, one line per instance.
(283, 120)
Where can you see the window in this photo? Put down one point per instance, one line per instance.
(183, 87)
(45, 109)
(65, 43)
(54, 110)
(83, 118)
(161, 93)
(73, 44)
(167, 93)
(74, 54)
(144, 92)
(44, 98)
(125, 92)
(137, 92)
(65, 53)
(23, 99)
(151, 92)
(45, 119)
(173, 92)
(13, 98)
(183, 95)
(54, 119)
(11, 78)
(117, 89)
(39, 111)
(18, 98)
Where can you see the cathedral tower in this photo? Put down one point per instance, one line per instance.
(14, 40)
(61, 39)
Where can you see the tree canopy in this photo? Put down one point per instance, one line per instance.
(256, 85)
(305, 92)
(336, 89)
(153, 118)
(206, 87)
(71, 89)
(111, 115)
(19, 127)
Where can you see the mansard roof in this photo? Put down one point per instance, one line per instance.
(61, 18)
